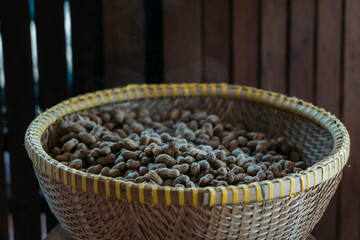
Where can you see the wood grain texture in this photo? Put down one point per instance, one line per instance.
(87, 46)
(124, 34)
(20, 103)
(301, 77)
(350, 191)
(49, 18)
(245, 42)
(182, 41)
(273, 45)
(328, 90)
(216, 40)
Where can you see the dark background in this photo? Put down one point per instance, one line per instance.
(304, 48)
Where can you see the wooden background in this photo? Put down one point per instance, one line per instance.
(304, 48)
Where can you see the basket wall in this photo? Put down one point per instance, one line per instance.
(90, 216)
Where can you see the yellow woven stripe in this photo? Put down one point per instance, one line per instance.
(44, 166)
(293, 108)
(286, 105)
(282, 188)
(119, 93)
(308, 180)
(154, 195)
(146, 91)
(272, 99)
(258, 192)
(195, 196)
(73, 109)
(92, 96)
(155, 92)
(315, 177)
(53, 118)
(212, 196)
(193, 89)
(264, 97)
(246, 193)
(73, 183)
(181, 196)
(128, 191)
(235, 194)
(306, 114)
(137, 92)
(335, 166)
(224, 195)
(322, 174)
(292, 186)
(83, 183)
(50, 171)
(204, 90)
(65, 177)
(96, 185)
(280, 102)
(128, 93)
(111, 98)
(174, 89)
(186, 90)
(248, 94)
(257, 96)
(57, 173)
(38, 161)
(78, 103)
(87, 103)
(271, 190)
(213, 90)
(107, 187)
(102, 97)
(163, 90)
(238, 92)
(141, 194)
(117, 190)
(67, 109)
(224, 91)
(313, 116)
(167, 196)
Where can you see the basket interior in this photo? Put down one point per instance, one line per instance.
(312, 141)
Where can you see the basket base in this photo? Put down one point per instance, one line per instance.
(58, 233)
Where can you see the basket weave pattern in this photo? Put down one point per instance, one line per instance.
(95, 207)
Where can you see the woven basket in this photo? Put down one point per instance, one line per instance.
(96, 207)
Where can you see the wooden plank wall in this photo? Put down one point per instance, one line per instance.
(303, 48)
(25, 201)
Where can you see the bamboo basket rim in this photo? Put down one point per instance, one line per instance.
(288, 186)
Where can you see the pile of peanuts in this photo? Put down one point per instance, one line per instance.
(179, 148)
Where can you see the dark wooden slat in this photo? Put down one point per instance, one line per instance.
(20, 112)
(328, 72)
(154, 69)
(87, 46)
(123, 42)
(273, 45)
(182, 41)
(216, 40)
(328, 90)
(245, 42)
(350, 193)
(3, 198)
(49, 18)
(301, 82)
